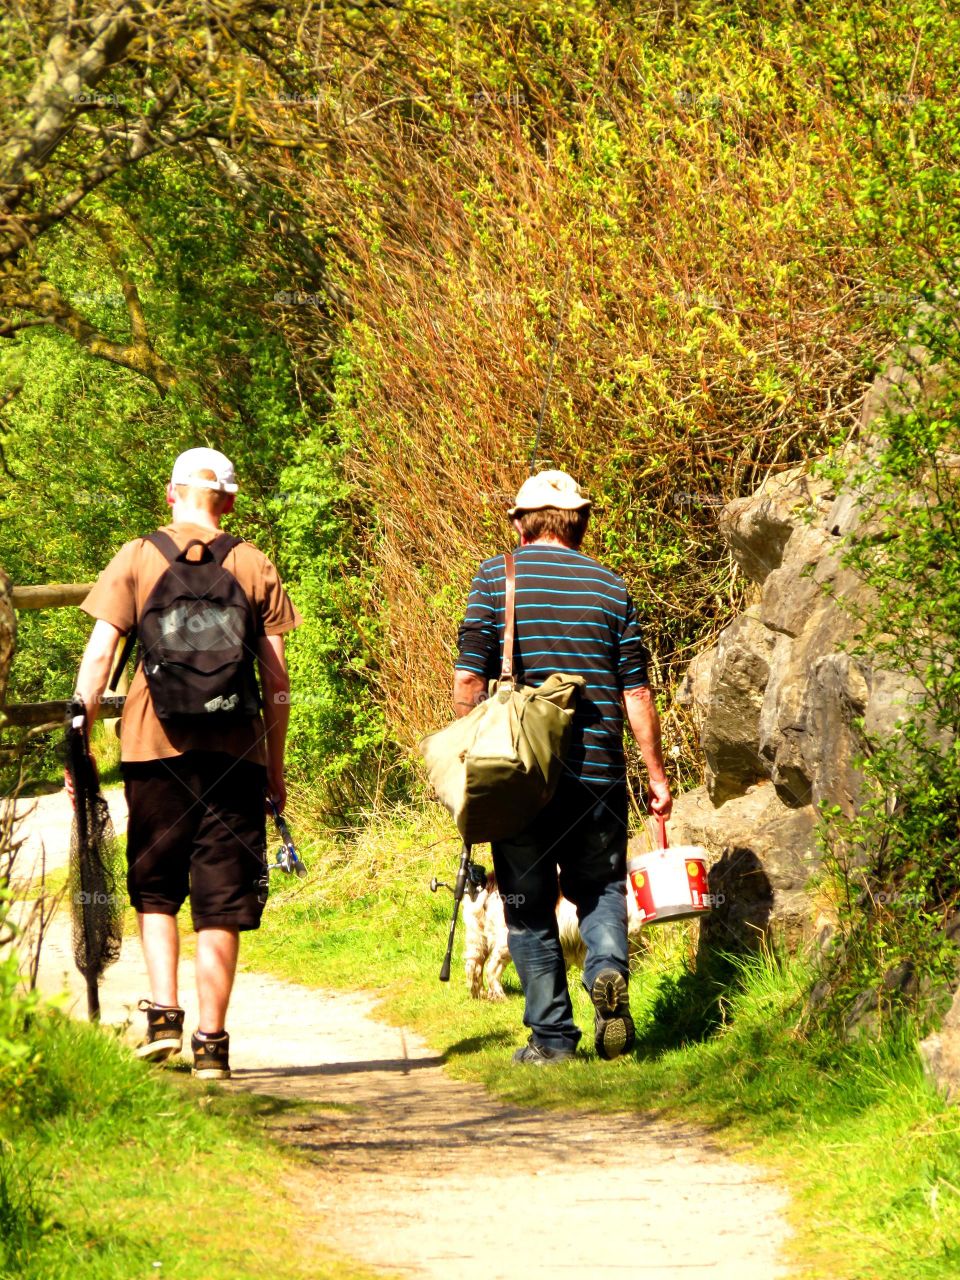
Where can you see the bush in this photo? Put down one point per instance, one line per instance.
(895, 864)
(22, 1220)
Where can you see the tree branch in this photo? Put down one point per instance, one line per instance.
(46, 302)
(10, 327)
(131, 295)
(50, 102)
(142, 143)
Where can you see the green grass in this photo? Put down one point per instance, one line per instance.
(109, 1170)
(871, 1155)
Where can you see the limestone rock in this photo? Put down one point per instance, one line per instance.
(757, 528)
(792, 591)
(731, 731)
(835, 696)
(846, 514)
(941, 1053)
(694, 691)
(893, 696)
(785, 697)
(871, 1008)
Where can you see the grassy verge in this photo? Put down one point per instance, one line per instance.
(871, 1155)
(109, 1171)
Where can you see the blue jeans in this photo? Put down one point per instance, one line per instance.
(583, 831)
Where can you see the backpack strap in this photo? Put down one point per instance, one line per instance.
(509, 611)
(169, 550)
(129, 640)
(164, 544)
(221, 546)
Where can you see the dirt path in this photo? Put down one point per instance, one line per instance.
(45, 830)
(422, 1175)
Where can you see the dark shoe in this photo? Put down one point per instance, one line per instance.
(164, 1035)
(541, 1055)
(211, 1057)
(613, 1026)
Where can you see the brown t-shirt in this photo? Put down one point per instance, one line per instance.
(119, 596)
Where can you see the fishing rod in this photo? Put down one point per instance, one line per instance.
(471, 878)
(288, 859)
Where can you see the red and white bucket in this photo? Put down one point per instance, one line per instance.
(670, 884)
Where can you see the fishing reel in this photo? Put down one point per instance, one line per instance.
(288, 860)
(476, 880)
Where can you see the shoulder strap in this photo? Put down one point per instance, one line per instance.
(509, 612)
(164, 544)
(168, 548)
(221, 546)
(129, 641)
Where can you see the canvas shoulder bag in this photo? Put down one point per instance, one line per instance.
(497, 767)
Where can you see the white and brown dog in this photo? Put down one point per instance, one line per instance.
(486, 947)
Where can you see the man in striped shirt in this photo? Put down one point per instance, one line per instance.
(572, 615)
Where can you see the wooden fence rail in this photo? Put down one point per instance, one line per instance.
(56, 595)
(49, 715)
(34, 715)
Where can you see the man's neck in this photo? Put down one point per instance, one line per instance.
(194, 515)
(548, 542)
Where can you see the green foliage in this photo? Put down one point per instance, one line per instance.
(18, 1057)
(895, 864)
(88, 446)
(22, 1218)
(701, 179)
(337, 722)
(748, 200)
(22, 1221)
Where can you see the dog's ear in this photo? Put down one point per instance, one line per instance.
(491, 882)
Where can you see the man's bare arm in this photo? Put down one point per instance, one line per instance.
(276, 712)
(96, 666)
(468, 691)
(645, 727)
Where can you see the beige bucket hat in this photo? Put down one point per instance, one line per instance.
(549, 489)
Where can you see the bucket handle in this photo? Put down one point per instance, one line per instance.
(662, 825)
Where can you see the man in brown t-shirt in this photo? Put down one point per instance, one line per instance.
(195, 793)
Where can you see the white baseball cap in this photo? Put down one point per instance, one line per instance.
(187, 466)
(549, 489)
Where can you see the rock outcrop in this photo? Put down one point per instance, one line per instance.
(777, 700)
(941, 1053)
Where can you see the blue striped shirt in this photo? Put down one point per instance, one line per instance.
(572, 615)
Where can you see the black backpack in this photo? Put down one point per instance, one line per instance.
(198, 637)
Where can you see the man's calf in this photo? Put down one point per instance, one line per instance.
(486, 946)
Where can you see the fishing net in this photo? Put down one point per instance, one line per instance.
(96, 878)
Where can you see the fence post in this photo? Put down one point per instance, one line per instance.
(8, 631)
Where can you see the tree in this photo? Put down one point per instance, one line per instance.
(97, 90)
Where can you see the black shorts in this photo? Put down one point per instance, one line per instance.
(197, 826)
